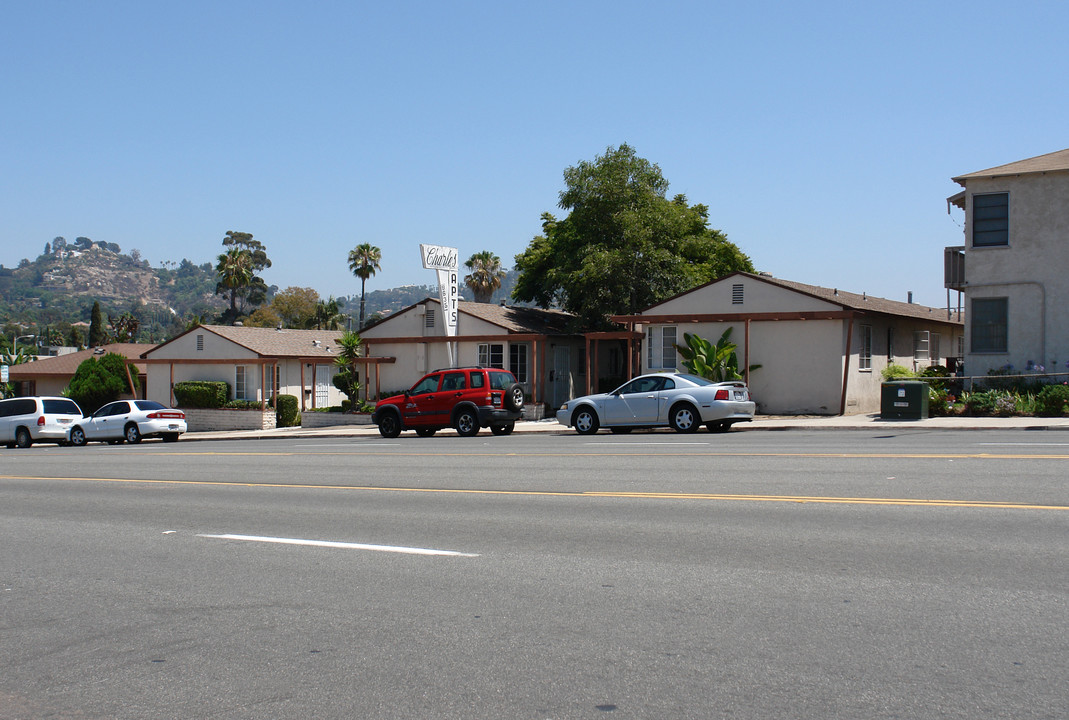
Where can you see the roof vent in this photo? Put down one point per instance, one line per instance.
(98, 351)
(909, 297)
(315, 343)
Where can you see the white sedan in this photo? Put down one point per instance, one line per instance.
(682, 402)
(129, 421)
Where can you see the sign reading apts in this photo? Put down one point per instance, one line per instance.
(446, 261)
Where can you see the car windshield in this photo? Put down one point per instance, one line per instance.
(149, 405)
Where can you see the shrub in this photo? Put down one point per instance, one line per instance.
(242, 405)
(98, 382)
(1053, 401)
(938, 375)
(897, 372)
(286, 412)
(981, 403)
(201, 394)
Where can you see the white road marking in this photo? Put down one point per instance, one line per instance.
(1026, 444)
(643, 444)
(342, 545)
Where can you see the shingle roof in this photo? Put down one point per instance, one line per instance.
(1051, 162)
(865, 302)
(66, 365)
(517, 319)
(285, 343)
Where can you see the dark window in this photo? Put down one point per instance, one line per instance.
(518, 362)
(20, 406)
(148, 405)
(454, 381)
(61, 407)
(428, 384)
(500, 380)
(492, 355)
(989, 325)
(991, 220)
(476, 379)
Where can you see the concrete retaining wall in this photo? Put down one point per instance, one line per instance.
(204, 420)
(332, 419)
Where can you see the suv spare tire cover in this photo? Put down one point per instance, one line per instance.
(514, 397)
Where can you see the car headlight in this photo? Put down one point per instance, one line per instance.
(564, 406)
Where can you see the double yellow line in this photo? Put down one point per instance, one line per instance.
(724, 497)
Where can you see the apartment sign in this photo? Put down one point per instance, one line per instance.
(445, 261)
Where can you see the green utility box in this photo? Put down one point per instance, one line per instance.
(904, 400)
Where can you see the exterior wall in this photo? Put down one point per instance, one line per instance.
(1030, 271)
(204, 420)
(758, 297)
(159, 379)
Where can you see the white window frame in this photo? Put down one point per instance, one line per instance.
(921, 340)
(519, 361)
(660, 347)
(241, 382)
(864, 353)
(487, 353)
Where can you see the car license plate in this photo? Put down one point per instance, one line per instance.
(64, 421)
(740, 395)
(172, 426)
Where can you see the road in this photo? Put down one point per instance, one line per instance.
(792, 574)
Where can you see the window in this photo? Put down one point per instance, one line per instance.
(428, 384)
(454, 381)
(518, 362)
(864, 355)
(933, 348)
(661, 347)
(240, 382)
(991, 220)
(989, 325)
(920, 346)
(492, 355)
(581, 362)
(890, 344)
(736, 294)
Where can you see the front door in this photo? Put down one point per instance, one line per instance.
(561, 375)
(420, 406)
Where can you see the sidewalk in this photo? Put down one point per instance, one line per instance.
(761, 422)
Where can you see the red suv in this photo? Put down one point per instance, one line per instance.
(462, 398)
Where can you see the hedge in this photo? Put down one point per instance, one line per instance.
(286, 413)
(201, 394)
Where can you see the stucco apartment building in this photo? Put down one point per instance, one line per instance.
(1014, 266)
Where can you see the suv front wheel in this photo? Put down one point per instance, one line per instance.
(389, 425)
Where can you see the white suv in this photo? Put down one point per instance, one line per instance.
(26, 420)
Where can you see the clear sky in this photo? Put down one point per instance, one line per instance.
(821, 135)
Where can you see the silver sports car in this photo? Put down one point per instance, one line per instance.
(682, 402)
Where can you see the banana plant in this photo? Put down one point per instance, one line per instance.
(718, 362)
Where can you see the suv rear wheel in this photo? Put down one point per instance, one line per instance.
(505, 429)
(466, 424)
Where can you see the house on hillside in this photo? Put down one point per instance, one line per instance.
(1014, 266)
(52, 375)
(257, 363)
(536, 345)
(820, 349)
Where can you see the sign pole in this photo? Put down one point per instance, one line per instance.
(445, 260)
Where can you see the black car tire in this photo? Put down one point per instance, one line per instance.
(170, 437)
(466, 423)
(505, 429)
(620, 430)
(77, 436)
(426, 432)
(585, 421)
(514, 397)
(718, 427)
(23, 439)
(389, 424)
(684, 418)
(131, 434)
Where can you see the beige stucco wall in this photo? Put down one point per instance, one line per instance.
(159, 376)
(1032, 272)
(758, 297)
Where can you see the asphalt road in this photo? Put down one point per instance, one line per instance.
(905, 574)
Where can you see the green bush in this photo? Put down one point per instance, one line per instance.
(897, 372)
(982, 403)
(1053, 401)
(242, 405)
(201, 394)
(286, 412)
(97, 382)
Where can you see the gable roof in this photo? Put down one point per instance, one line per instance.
(1051, 162)
(272, 343)
(66, 365)
(846, 300)
(512, 318)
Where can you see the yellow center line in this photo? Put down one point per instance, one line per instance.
(802, 499)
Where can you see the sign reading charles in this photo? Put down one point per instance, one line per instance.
(445, 260)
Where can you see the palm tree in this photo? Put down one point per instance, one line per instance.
(327, 314)
(235, 272)
(364, 262)
(485, 276)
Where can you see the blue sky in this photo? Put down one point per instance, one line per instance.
(822, 136)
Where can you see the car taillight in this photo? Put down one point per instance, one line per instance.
(41, 421)
(167, 415)
(722, 394)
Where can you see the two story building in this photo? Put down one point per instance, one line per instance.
(1014, 266)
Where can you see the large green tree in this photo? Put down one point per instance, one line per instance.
(485, 276)
(623, 245)
(364, 262)
(238, 269)
(97, 382)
